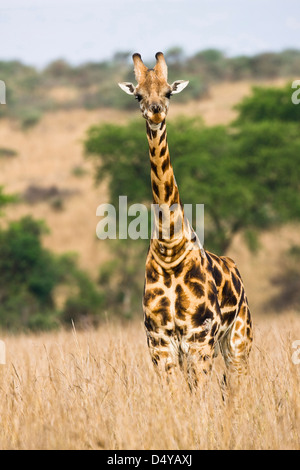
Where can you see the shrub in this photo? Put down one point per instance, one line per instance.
(30, 275)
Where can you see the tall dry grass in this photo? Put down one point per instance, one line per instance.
(98, 390)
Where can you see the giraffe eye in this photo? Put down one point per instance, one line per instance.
(138, 97)
(168, 95)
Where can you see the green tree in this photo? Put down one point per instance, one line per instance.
(122, 277)
(247, 175)
(5, 199)
(268, 104)
(30, 275)
(287, 281)
(254, 170)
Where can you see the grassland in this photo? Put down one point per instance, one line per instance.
(97, 390)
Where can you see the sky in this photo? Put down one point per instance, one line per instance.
(40, 31)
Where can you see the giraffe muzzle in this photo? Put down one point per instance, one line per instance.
(155, 108)
(156, 113)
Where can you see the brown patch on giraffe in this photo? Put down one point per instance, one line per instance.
(163, 309)
(169, 332)
(169, 185)
(228, 297)
(212, 292)
(181, 330)
(154, 168)
(178, 269)
(243, 329)
(244, 312)
(217, 273)
(155, 358)
(165, 165)
(182, 302)
(249, 322)
(163, 151)
(214, 257)
(158, 342)
(201, 314)
(152, 151)
(151, 275)
(195, 279)
(151, 295)
(167, 279)
(196, 288)
(214, 329)
(175, 200)
(162, 137)
(228, 317)
(197, 337)
(155, 189)
(249, 332)
(150, 324)
(236, 282)
(197, 273)
(172, 229)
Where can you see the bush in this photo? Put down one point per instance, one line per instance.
(268, 104)
(7, 152)
(287, 282)
(30, 275)
(85, 306)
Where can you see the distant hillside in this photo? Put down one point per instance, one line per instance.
(61, 86)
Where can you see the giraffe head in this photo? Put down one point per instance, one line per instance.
(153, 90)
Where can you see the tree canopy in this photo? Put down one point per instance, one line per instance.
(246, 175)
(30, 275)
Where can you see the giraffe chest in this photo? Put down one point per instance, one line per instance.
(175, 306)
(182, 305)
(159, 301)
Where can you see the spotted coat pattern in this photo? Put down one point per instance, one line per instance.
(194, 301)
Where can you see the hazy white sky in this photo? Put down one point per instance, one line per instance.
(39, 31)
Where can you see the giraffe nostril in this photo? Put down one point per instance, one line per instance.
(155, 108)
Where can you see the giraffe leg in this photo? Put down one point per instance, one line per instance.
(162, 357)
(198, 364)
(236, 344)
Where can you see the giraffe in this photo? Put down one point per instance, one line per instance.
(194, 301)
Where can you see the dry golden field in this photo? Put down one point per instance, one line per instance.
(97, 390)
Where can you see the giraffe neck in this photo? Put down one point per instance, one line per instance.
(172, 233)
(164, 187)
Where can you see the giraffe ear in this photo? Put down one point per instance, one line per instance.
(128, 87)
(178, 86)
